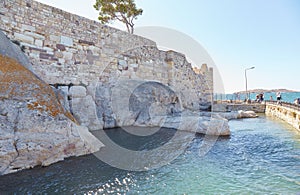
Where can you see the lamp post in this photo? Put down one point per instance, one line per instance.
(246, 81)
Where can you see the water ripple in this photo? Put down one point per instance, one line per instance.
(260, 157)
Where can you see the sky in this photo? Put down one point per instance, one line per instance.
(237, 34)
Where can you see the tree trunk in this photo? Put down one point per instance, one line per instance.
(131, 29)
(128, 30)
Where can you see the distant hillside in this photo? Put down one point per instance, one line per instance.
(268, 91)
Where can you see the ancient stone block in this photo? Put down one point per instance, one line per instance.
(25, 27)
(67, 55)
(35, 35)
(122, 63)
(77, 91)
(134, 65)
(95, 50)
(54, 38)
(66, 41)
(38, 43)
(84, 110)
(24, 38)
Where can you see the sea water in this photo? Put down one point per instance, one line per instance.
(286, 97)
(262, 156)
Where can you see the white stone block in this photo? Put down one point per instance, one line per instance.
(55, 38)
(122, 63)
(95, 50)
(79, 47)
(38, 43)
(35, 35)
(67, 55)
(5, 19)
(134, 65)
(24, 38)
(48, 49)
(77, 91)
(28, 28)
(28, 45)
(62, 61)
(66, 41)
(34, 55)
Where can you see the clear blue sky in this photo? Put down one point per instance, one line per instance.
(236, 33)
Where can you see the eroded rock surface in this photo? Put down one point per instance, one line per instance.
(35, 129)
(142, 104)
(13, 51)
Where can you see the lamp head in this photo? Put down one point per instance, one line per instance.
(250, 68)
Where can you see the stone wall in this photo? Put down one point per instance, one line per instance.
(35, 129)
(86, 61)
(63, 47)
(66, 48)
(289, 115)
(227, 107)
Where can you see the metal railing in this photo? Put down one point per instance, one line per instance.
(284, 104)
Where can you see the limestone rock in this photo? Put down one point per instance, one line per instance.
(104, 106)
(35, 128)
(84, 110)
(195, 124)
(236, 114)
(62, 96)
(246, 114)
(13, 51)
(77, 91)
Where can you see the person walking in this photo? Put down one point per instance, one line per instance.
(278, 96)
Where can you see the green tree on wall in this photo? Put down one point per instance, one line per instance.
(124, 11)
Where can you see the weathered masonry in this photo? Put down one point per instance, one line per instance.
(228, 107)
(287, 112)
(85, 60)
(66, 48)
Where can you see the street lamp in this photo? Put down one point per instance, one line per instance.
(246, 80)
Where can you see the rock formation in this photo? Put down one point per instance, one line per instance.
(35, 129)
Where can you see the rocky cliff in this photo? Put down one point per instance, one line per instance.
(35, 129)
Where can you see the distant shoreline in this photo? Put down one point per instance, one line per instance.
(268, 91)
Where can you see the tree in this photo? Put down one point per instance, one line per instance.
(124, 11)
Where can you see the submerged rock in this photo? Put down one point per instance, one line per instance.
(236, 114)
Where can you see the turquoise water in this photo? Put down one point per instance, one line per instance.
(286, 97)
(262, 156)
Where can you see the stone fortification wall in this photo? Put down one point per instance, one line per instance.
(64, 48)
(86, 61)
(288, 114)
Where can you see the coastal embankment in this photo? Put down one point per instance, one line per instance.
(286, 111)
